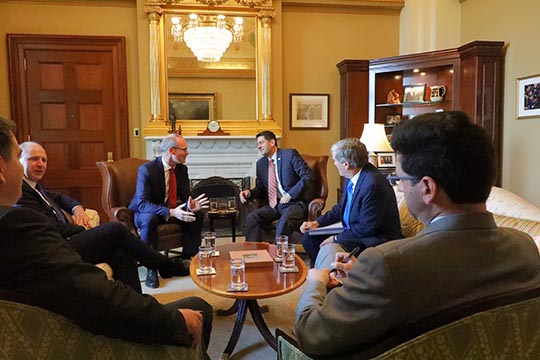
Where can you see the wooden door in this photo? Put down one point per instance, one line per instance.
(69, 94)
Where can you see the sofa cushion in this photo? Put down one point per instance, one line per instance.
(505, 203)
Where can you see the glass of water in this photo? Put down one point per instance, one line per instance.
(205, 259)
(289, 261)
(238, 273)
(281, 242)
(210, 240)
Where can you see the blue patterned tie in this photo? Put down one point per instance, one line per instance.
(54, 207)
(347, 212)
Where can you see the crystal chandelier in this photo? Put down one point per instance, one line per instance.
(208, 36)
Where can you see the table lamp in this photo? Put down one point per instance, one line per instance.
(374, 137)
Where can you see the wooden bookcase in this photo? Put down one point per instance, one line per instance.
(472, 75)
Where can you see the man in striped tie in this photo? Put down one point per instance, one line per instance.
(284, 180)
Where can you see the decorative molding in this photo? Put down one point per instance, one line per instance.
(352, 4)
(225, 68)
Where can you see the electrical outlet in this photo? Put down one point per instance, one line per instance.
(136, 132)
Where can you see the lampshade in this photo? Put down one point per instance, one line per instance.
(374, 137)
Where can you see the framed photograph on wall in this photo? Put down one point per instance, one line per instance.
(192, 106)
(309, 111)
(387, 160)
(528, 97)
(414, 93)
(393, 119)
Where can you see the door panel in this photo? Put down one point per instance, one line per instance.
(75, 107)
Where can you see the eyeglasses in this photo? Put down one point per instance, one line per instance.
(179, 148)
(394, 179)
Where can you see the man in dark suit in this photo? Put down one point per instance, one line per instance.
(163, 194)
(284, 180)
(367, 209)
(446, 167)
(39, 266)
(112, 243)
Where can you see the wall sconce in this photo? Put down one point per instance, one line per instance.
(374, 137)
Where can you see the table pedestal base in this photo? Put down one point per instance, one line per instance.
(240, 307)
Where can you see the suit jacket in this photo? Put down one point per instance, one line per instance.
(453, 261)
(31, 199)
(38, 263)
(150, 192)
(374, 216)
(294, 174)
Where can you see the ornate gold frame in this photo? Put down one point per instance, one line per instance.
(159, 123)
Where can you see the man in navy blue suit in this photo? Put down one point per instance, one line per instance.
(284, 180)
(156, 201)
(369, 214)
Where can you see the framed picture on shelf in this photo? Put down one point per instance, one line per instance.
(387, 160)
(393, 119)
(528, 97)
(414, 93)
(309, 111)
(192, 106)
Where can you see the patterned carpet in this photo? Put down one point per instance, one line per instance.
(251, 344)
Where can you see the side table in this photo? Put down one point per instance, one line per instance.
(223, 215)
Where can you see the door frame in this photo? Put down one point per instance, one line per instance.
(19, 43)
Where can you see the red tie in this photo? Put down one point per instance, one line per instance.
(172, 189)
(272, 185)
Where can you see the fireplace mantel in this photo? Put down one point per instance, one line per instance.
(226, 156)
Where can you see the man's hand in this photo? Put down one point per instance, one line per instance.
(182, 215)
(285, 199)
(343, 266)
(80, 217)
(328, 240)
(244, 195)
(194, 324)
(308, 225)
(200, 202)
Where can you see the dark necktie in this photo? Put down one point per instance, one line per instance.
(54, 207)
(172, 189)
(272, 184)
(347, 212)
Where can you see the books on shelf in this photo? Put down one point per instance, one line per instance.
(253, 258)
(333, 229)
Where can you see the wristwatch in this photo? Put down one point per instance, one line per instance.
(334, 239)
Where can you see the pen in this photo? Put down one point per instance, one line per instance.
(354, 252)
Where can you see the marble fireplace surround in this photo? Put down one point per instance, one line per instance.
(226, 156)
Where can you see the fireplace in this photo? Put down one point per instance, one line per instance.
(223, 194)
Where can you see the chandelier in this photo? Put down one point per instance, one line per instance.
(208, 36)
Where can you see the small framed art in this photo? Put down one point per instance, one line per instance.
(387, 160)
(414, 93)
(309, 111)
(193, 106)
(393, 119)
(528, 97)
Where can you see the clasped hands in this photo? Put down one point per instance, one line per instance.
(246, 194)
(80, 217)
(188, 215)
(331, 278)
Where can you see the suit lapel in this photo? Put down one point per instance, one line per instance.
(161, 178)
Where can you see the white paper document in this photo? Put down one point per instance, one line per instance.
(327, 230)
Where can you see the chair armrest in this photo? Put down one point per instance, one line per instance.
(288, 347)
(125, 216)
(315, 208)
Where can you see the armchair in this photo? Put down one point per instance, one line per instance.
(505, 327)
(319, 195)
(119, 180)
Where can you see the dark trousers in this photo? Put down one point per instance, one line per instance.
(290, 215)
(199, 304)
(114, 244)
(147, 224)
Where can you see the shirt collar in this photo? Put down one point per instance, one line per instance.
(166, 165)
(30, 182)
(355, 178)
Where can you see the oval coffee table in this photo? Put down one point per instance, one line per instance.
(263, 282)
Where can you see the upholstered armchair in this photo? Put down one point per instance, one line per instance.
(30, 332)
(319, 195)
(505, 327)
(119, 180)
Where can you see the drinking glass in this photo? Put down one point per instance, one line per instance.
(205, 259)
(210, 240)
(281, 242)
(289, 263)
(238, 273)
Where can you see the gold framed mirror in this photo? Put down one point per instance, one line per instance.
(241, 79)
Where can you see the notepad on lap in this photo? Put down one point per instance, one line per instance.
(327, 230)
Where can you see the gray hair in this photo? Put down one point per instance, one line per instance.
(7, 127)
(168, 142)
(352, 151)
(25, 146)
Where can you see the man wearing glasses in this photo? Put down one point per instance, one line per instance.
(163, 195)
(446, 167)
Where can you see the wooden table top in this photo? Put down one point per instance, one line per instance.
(263, 282)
